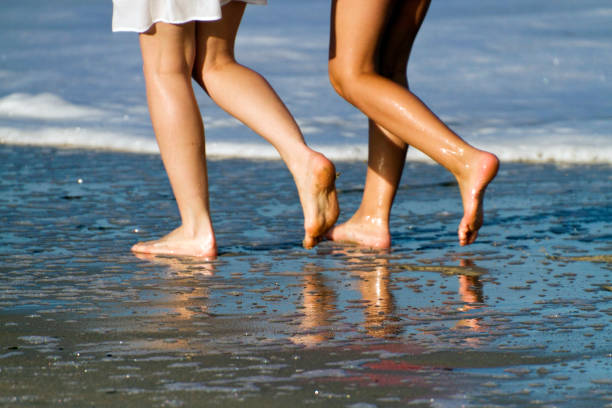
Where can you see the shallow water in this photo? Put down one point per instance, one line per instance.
(520, 319)
(527, 80)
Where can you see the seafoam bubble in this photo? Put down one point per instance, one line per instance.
(44, 106)
(38, 339)
(80, 137)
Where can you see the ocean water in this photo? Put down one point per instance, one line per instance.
(530, 81)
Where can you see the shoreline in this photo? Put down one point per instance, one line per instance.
(270, 154)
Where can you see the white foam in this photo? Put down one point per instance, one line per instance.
(512, 145)
(556, 142)
(44, 106)
(77, 137)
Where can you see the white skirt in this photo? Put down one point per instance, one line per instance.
(140, 15)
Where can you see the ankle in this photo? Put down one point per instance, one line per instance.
(201, 230)
(477, 162)
(463, 165)
(372, 218)
(296, 157)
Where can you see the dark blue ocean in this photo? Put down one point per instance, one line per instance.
(526, 80)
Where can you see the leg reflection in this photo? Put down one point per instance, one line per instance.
(379, 315)
(470, 292)
(319, 305)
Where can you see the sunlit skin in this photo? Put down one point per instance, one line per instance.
(172, 56)
(370, 45)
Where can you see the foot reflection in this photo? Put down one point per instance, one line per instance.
(470, 292)
(180, 266)
(184, 297)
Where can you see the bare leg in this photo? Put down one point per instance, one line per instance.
(168, 54)
(353, 73)
(369, 226)
(247, 96)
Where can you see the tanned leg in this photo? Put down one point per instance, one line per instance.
(369, 226)
(357, 27)
(247, 96)
(168, 53)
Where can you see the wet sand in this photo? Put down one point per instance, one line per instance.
(519, 319)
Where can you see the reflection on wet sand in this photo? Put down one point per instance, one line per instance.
(181, 266)
(319, 305)
(379, 313)
(373, 281)
(187, 299)
(319, 301)
(471, 294)
(470, 291)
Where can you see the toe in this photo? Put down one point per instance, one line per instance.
(137, 247)
(308, 242)
(463, 235)
(472, 237)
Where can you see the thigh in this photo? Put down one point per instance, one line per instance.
(356, 27)
(402, 26)
(216, 39)
(168, 47)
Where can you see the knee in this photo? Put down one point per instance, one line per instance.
(167, 67)
(344, 80)
(211, 67)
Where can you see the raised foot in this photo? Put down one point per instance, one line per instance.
(367, 232)
(179, 243)
(319, 200)
(472, 186)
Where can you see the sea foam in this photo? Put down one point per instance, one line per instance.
(46, 106)
(49, 120)
(553, 149)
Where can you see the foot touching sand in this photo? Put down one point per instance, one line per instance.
(180, 243)
(472, 187)
(318, 196)
(366, 231)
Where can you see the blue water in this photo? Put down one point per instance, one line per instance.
(527, 80)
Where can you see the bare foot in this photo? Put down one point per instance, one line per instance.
(180, 243)
(317, 191)
(363, 231)
(472, 187)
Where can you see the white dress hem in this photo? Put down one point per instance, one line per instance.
(128, 18)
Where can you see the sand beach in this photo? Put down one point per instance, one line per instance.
(519, 319)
